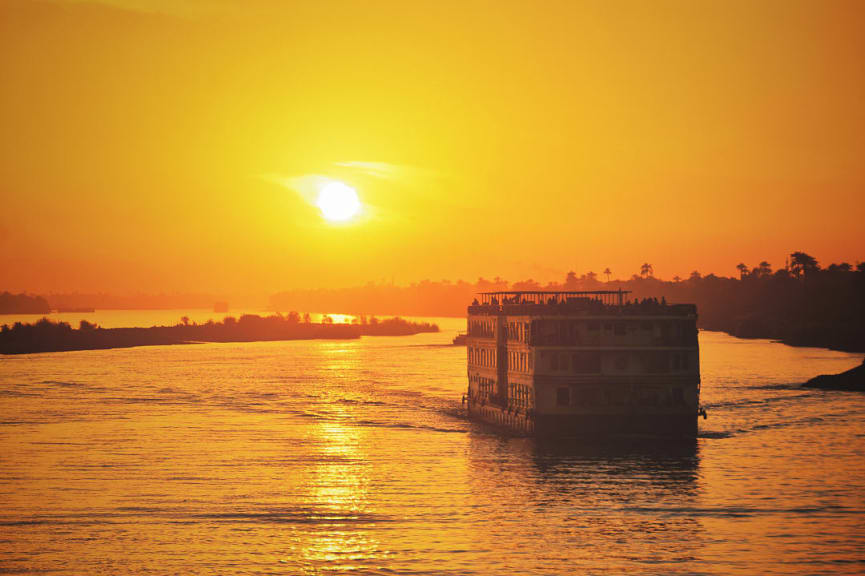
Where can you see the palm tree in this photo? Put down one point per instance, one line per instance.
(646, 270)
(801, 263)
(607, 273)
(677, 279)
(743, 270)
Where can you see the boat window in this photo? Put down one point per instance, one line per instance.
(616, 396)
(563, 396)
(586, 362)
(585, 396)
(594, 326)
(620, 329)
(648, 398)
(657, 362)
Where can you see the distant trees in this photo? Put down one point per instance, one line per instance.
(827, 310)
(802, 264)
(647, 270)
(23, 304)
(607, 273)
(530, 285)
(48, 336)
(762, 270)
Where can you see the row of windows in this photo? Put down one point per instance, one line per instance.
(552, 332)
(520, 395)
(519, 362)
(618, 396)
(576, 362)
(518, 331)
(486, 386)
(482, 356)
(654, 362)
(482, 328)
(586, 362)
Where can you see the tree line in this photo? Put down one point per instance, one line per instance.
(800, 303)
(48, 336)
(23, 304)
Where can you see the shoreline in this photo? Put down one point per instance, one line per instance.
(48, 336)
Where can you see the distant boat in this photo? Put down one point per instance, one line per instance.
(460, 339)
(76, 310)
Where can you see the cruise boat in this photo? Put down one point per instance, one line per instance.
(583, 363)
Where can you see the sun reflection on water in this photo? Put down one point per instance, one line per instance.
(338, 490)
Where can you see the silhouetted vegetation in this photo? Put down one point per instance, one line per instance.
(48, 336)
(800, 304)
(394, 327)
(23, 304)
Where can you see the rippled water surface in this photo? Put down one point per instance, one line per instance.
(332, 457)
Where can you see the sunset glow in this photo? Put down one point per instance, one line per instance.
(420, 287)
(689, 136)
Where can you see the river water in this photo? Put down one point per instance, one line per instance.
(354, 456)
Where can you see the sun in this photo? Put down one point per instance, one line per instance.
(338, 202)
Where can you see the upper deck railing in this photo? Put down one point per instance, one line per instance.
(602, 302)
(606, 297)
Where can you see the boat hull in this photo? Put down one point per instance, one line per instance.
(584, 425)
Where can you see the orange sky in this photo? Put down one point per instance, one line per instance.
(148, 147)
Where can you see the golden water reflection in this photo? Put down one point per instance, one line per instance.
(338, 489)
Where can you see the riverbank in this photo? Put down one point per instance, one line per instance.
(851, 380)
(48, 336)
(840, 336)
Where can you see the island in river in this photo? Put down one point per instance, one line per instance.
(48, 336)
